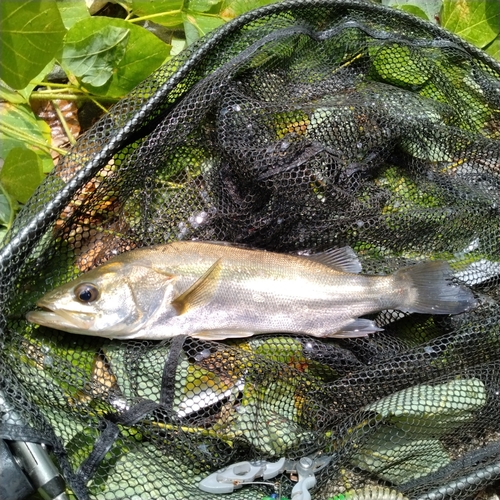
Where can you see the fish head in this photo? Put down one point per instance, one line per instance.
(115, 300)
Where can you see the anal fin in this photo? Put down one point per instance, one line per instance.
(221, 334)
(360, 327)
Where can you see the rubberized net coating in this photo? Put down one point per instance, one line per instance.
(301, 126)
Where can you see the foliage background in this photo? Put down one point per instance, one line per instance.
(65, 62)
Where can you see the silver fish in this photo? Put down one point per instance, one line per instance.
(216, 291)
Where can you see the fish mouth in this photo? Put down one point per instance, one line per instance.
(68, 321)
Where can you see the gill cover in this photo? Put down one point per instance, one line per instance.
(115, 299)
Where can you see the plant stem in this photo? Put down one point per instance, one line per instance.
(38, 95)
(152, 16)
(51, 91)
(17, 133)
(98, 104)
(64, 123)
(54, 85)
(227, 437)
(126, 8)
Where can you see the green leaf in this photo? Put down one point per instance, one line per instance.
(143, 53)
(21, 173)
(7, 208)
(281, 349)
(72, 11)
(10, 95)
(202, 5)
(46, 160)
(190, 32)
(178, 45)
(94, 57)
(198, 25)
(398, 65)
(31, 33)
(23, 95)
(26, 92)
(172, 10)
(429, 403)
(397, 458)
(233, 8)
(477, 21)
(493, 48)
(19, 126)
(426, 9)
(415, 10)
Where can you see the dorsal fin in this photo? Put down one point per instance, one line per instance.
(341, 259)
(200, 292)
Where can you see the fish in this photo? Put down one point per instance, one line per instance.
(216, 291)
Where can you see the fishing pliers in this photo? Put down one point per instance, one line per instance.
(245, 473)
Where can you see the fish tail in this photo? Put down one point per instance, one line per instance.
(430, 289)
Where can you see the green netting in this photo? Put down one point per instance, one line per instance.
(301, 126)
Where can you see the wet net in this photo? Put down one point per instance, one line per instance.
(301, 126)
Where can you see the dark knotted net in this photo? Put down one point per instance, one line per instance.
(301, 126)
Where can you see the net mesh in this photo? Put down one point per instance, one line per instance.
(301, 126)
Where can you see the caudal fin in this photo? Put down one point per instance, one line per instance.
(431, 291)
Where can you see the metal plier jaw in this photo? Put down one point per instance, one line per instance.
(306, 468)
(237, 475)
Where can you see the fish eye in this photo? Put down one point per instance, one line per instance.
(86, 292)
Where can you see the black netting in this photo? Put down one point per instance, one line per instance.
(302, 126)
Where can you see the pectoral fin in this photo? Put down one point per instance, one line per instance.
(200, 292)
